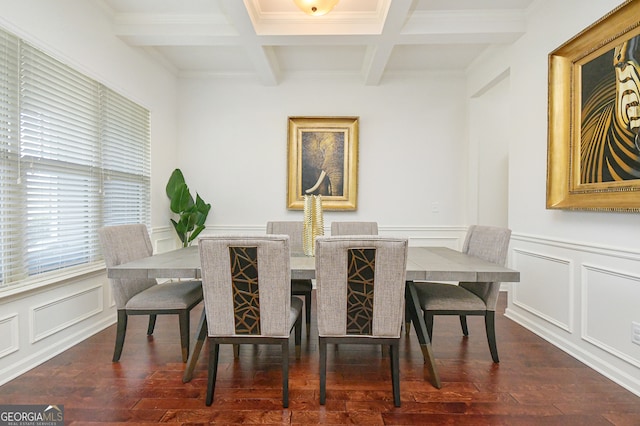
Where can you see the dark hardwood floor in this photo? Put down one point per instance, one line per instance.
(534, 384)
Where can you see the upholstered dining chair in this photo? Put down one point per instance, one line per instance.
(247, 298)
(469, 298)
(299, 287)
(144, 296)
(360, 287)
(354, 228)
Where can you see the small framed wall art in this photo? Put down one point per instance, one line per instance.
(323, 160)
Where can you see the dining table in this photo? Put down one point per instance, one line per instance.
(423, 264)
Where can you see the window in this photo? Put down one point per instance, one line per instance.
(74, 156)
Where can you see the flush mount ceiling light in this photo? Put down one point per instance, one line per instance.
(316, 7)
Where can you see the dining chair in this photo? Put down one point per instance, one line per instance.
(144, 296)
(247, 298)
(354, 228)
(469, 298)
(299, 287)
(360, 287)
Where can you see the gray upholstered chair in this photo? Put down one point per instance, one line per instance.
(469, 298)
(247, 298)
(360, 287)
(144, 296)
(354, 228)
(299, 287)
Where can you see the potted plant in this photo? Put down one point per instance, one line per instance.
(191, 215)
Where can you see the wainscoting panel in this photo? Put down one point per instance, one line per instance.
(582, 298)
(544, 289)
(164, 239)
(39, 323)
(611, 303)
(49, 318)
(9, 342)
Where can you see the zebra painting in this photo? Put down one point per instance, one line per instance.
(610, 122)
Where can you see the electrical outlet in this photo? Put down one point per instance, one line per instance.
(435, 207)
(635, 332)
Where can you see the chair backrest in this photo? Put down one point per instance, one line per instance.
(354, 228)
(291, 228)
(490, 243)
(122, 244)
(360, 283)
(246, 283)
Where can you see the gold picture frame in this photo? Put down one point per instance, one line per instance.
(323, 160)
(593, 160)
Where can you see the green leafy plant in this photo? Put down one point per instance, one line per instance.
(192, 215)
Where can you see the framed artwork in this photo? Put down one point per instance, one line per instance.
(323, 160)
(593, 157)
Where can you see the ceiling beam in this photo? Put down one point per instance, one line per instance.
(394, 23)
(378, 55)
(443, 27)
(261, 56)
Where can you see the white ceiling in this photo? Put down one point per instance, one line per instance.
(273, 40)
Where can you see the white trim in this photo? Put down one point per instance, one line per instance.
(11, 322)
(43, 311)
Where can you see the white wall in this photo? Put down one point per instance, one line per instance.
(489, 159)
(37, 323)
(412, 147)
(580, 271)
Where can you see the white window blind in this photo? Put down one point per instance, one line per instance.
(126, 165)
(10, 204)
(81, 162)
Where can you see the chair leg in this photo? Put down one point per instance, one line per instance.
(395, 373)
(463, 324)
(490, 326)
(428, 320)
(298, 335)
(323, 371)
(121, 330)
(214, 350)
(152, 324)
(285, 373)
(307, 308)
(185, 331)
(407, 319)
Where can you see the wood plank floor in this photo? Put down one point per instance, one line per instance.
(534, 384)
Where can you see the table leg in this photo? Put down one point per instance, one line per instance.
(411, 300)
(197, 347)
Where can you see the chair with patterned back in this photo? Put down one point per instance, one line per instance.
(144, 296)
(469, 298)
(247, 297)
(360, 287)
(354, 228)
(299, 287)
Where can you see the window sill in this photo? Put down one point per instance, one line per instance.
(50, 279)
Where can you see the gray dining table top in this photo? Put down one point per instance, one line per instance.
(423, 264)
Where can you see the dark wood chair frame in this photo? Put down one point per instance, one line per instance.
(394, 351)
(183, 317)
(489, 325)
(214, 351)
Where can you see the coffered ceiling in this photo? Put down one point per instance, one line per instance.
(272, 40)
